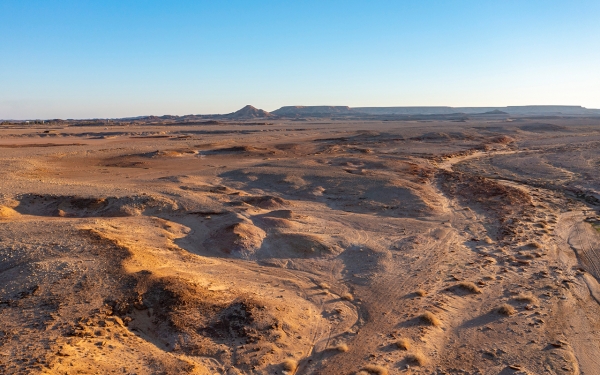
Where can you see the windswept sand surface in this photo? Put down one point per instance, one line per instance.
(308, 247)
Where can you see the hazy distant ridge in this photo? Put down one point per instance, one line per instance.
(294, 111)
(516, 110)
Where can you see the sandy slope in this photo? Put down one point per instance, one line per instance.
(311, 248)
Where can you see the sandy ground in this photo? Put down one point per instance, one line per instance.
(313, 247)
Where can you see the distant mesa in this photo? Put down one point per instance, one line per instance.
(495, 112)
(445, 113)
(249, 112)
(304, 113)
(313, 111)
(526, 110)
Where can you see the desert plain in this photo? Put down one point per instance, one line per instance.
(301, 246)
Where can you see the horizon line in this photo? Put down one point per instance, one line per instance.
(302, 106)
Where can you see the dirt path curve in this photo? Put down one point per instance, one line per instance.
(382, 297)
(582, 314)
(578, 245)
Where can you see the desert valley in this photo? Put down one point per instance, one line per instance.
(309, 240)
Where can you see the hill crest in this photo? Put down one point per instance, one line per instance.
(249, 112)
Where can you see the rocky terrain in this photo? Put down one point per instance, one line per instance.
(352, 246)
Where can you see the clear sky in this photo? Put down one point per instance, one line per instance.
(116, 58)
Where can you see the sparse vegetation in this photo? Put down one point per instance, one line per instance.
(430, 319)
(421, 292)
(526, 297)
(323, 285)
(403, 344)
(506, 309)
(535, 245)
(347, 297)
(290, 364)
(375, 369)
(416, 358)
(469, 286)
(342, 347)
(525, 255)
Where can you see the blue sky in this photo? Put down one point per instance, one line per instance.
(79, 59)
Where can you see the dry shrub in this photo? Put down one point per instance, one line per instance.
(470, 287)
(416, 358)
(430, 319)
(403, 344)
(375, 369)
(290, 364)
(347, 297)
(535, 245)
(525, 255)
(323, 285)
(341, 347)
(7, 212)
(506, 309)
(421, 292)
(526, 297)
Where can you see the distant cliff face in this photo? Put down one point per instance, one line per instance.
(515, 110)
(313, 111)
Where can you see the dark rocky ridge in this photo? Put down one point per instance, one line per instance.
(249, 112)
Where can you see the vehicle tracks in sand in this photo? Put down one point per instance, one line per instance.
(574, 314)
(319, 332)
(385, 297)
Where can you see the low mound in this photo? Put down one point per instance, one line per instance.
(237, 150)
(239, 239)
(174, 153)
(283, 214)
(287, 146)
(540, 127)
(267, 202)
(76, 206)
(275, 222)
(295, 245)
(503, 139)
(195, 321)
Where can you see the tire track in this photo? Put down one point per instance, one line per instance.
(385, 293)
